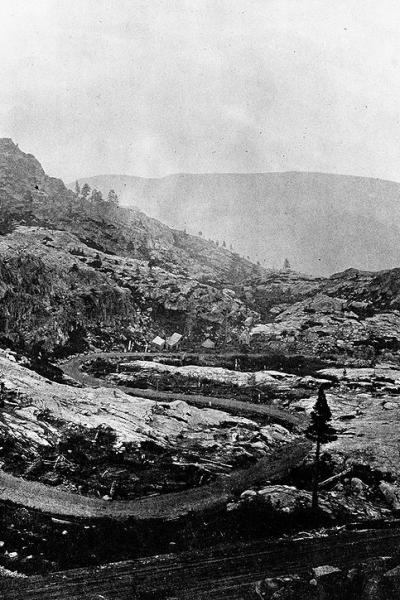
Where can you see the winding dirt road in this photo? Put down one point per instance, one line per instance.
(50, 500)
(72, 368)
(38, 496)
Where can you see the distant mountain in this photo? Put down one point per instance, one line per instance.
(322, 223)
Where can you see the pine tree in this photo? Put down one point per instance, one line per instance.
(96, 196)
(113, 197)
(321, 432)
(85, 191)
(77, 188)
(286, 265)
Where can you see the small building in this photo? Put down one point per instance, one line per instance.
(158, 342)
(208, 344)
(174, 340)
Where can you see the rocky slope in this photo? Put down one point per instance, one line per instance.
(322, 222)
(78, 273)
(75, 272)
(28, 196)
(350, 316)
(60, 296)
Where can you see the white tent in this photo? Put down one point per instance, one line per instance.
(159, 342)
(209, 344)
(174, 340)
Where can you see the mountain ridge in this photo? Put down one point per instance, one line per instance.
(322, 222)
(238, 173)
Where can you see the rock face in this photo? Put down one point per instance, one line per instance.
(367, 430)
(135, 420)
(70, 266)
(350, 315)
(117, 442)
(289, 501)
(241, 379)
(60, 295)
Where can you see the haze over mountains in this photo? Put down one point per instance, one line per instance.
(323, 223)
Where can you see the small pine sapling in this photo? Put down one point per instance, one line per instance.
(321, 432)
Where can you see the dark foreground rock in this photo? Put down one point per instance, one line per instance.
(375, 579)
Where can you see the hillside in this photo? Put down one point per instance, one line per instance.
(83, 278)
(29, 197)
(78, 273)
(75, 273)
(322, 223)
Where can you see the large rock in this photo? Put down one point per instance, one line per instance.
(290, 587)
(330, 582)
(389, 588)
(241, 379)
(391, 493)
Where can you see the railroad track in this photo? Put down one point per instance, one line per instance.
(219, 573)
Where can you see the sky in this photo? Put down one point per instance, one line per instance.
(156, 87)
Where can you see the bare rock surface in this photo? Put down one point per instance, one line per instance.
(367, 426)
(214, 374)
(289, 500)
(137, 420)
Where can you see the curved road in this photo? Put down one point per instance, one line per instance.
(73, 370)
(166, 506)
(50, 500)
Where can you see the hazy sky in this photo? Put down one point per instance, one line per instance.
(161, 86)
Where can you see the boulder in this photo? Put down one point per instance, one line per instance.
(391, 494)
(357, 486)
(248, 494)
(330, 582)
(290, 587)
(390, 405)
(285, 499)
(389, 587)
(326, 572)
